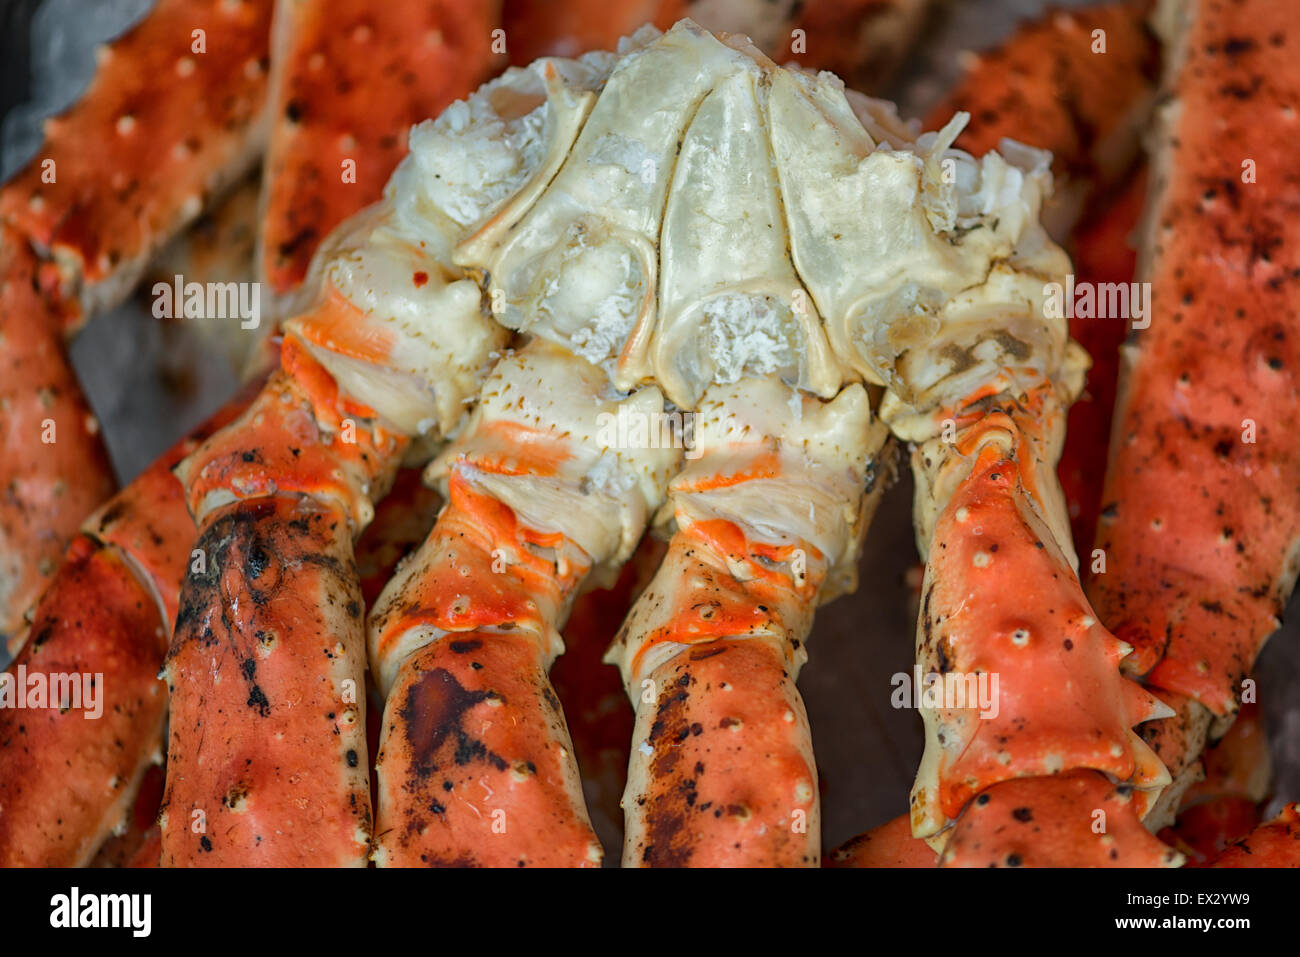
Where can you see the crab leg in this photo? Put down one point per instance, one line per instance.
(1197, 590)
(980, 384)
(176, 109)
(348, 80)
(475, 764)
(1275, 843)
(66, 782)
(722, 769)
(53, 465)
(188, 57)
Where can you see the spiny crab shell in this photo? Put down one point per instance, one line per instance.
(687, 212)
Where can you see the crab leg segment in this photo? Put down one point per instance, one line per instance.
(769, 519)
(65, 781)
(53, 465)
(1076, 819)
(1208, 395)
(269, 633)
(349, 78)
(476, 765)
(176, 110)
(1001, 602)
(1275, 843)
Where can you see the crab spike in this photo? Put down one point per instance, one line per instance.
(1196, 581)
(890, 845)
(349, 78)
(1076, 819)
(176, 111)
(1177, 740)
(53, 464)
(722, 771)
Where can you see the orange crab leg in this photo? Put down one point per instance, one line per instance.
(1275, 843)
(538, 28)
(269, 633)
(66, 782)
(474, 742)
(475, 763)
(1077, 819)
(53, 465)
(1052, 86)
(350, 78)
(890, 845)
(261, 638)
(176, 113)
(722, 770)
(1061, 702)
(1208, 394)
(863, 41)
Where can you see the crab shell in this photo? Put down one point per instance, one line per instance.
(686, 212)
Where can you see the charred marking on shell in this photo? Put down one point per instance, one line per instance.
(435, 707)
